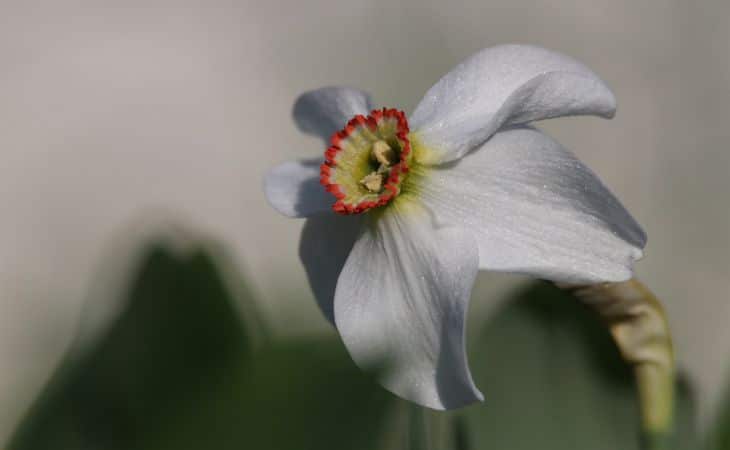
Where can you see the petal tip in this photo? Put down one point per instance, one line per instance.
(293, 189)
(323, 111)
(502, 86)
(608, 102)
(272, 194)
(434, 396)
(268, 185)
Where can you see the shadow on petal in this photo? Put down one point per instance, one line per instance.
(324, 247)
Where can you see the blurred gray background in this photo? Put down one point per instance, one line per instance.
(119, 117)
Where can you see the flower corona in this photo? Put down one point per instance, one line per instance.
(367, 161)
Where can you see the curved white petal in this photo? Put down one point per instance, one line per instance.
(401, 301)
(326, 242)
(504, 85)
(323, 111)
(535, 209)
(293, 189)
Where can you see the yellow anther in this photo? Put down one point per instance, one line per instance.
(373, 182)
(383, 153)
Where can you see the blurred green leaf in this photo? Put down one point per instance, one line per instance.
(177, 334)
(553, 379)
(176, 370)
(298, 395)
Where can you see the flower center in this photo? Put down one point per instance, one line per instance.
(367, 161)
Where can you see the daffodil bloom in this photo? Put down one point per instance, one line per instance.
(404, 210)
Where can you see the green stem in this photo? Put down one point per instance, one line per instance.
(460, 436)
(417, 431)
(656, 441)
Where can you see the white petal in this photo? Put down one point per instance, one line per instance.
(504, 85)
(326, 242)
(294, 190)
(535, 209)
(323, 111)
(401, 300)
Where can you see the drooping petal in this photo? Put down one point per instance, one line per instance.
(293, 189)
(401, 301)
(500, 86)
(536, 209)
(326, 242)
(323, 111)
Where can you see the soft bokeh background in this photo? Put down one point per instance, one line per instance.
(116, 116)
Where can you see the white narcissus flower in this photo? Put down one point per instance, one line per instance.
(402, 213)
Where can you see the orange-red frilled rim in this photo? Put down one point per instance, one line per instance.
(350, 159)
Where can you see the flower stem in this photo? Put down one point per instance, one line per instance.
(460, 438)
(639, 327)
(417, 430)
(656, 441)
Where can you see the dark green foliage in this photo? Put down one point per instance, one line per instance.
(719, 436)
(182, 368)
(177, 335)
(176, 371)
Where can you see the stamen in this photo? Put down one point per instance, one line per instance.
(386, 156)
(383, 169)
(373, 182)
(383, 153)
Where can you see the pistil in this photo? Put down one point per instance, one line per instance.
(383, 153)
(386, 156)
